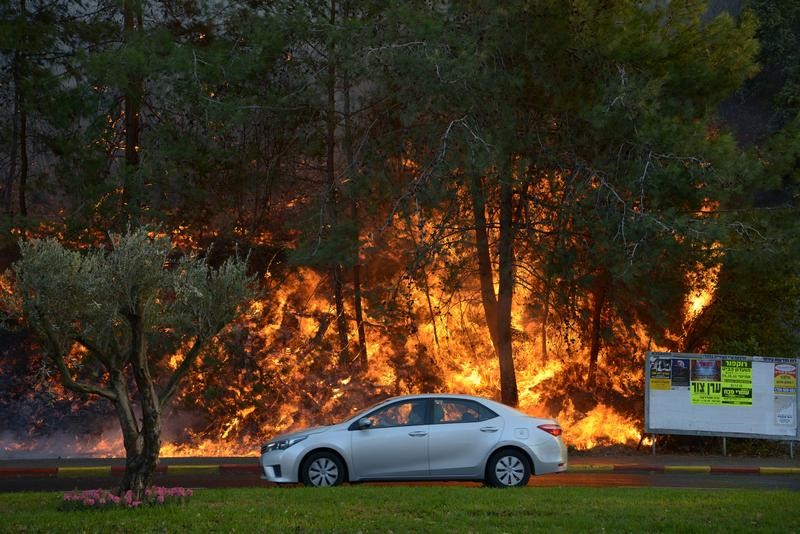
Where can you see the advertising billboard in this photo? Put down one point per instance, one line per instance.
(721, 395)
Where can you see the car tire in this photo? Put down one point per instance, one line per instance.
(508, 468)
(322, 469)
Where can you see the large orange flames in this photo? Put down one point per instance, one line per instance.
(278, 372)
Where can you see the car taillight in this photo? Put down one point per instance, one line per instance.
(551, 429)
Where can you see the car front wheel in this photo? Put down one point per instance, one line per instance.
(508, 469)
(322, 469)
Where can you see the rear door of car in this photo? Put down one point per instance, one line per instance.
(396, 446)
(462, 433)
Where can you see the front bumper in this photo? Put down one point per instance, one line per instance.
(281, 467)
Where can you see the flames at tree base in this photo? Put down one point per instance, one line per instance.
(277, 369)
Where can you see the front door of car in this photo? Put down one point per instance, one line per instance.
(461, 435)
(396, 443)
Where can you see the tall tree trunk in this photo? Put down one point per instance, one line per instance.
(556, 247)
(23, 155)
(423, 278)
(431, 313)
(545, 315)
(485, 276)
(497, 309)
(22, 117)
(132, 20)
(363, 357)
(601, 288)
(508, 379)
(341, 318)
(11, 177)
(358, 312)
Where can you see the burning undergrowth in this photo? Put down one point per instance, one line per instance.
(278, 368)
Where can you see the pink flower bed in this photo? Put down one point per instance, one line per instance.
(99, 498)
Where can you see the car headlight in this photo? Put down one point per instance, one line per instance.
(281, 444)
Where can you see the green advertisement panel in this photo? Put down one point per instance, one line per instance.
(721, 382)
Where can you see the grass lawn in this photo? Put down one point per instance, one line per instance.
(424, 509)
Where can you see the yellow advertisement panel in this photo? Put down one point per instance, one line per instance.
(661, 374)
(722, 382)
(706, 393)
(737, 383)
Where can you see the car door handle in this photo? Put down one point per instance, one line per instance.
(489, 429)
(418, 433)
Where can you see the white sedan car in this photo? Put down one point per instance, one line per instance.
(421, 437)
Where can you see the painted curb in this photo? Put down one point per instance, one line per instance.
(634, 467)
(215, 469)
(687, 468)
(71, 472)
(779, 470)
(701, 469)
(589, 468)
(736, 470)
(193, 469)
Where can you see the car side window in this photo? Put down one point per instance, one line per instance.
(460, 411)
(407, 413)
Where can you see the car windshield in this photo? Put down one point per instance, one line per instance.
(361, 413)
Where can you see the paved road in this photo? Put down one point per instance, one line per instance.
(242, 472)
(670, 480)
(593, 480)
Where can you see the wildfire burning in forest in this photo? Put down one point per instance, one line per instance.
(273, 371)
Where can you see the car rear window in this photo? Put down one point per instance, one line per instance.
(460, 411)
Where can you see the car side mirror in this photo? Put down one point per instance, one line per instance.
(364, 423)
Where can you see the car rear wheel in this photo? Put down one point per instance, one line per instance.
(322, 469)
(507, 469)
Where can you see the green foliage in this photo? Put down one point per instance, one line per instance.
(91, 296)
(755, 308)
(602, 116)
(779, 35)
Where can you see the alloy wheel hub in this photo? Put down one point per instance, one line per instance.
(323, 472)
(509, 470)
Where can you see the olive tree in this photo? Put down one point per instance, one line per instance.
(127, 323)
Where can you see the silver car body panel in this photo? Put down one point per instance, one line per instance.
(443, 451)
(459, 450)
(405, 446)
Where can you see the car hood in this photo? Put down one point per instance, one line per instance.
(303, 432)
